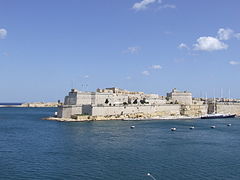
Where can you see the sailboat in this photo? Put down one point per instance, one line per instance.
(215, 115)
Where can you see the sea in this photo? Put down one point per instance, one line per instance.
(33, 148)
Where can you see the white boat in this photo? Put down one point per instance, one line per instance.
(215, 115)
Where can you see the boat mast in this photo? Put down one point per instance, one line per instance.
(214, 102)
(229, 93)
(221, 94)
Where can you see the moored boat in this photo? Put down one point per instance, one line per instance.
(217, 116)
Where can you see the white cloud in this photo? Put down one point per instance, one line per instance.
(209, 44)
(156, 67)
(183, 46)
(234, 62)
(146, 73)
(86, 76)
(143, 4)
(225, 34)
(128, 77)
(3, 33)
(172, 6)
(237, 35)
(132, 50)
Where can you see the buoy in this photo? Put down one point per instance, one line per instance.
(173, 129)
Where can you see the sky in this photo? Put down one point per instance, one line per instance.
(48, 47)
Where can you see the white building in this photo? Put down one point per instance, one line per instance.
(180, 97)
(115, 101)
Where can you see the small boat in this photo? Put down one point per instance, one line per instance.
(132, 127)
(229, 124)
(173, 129)
(213, 127)
(192, 127)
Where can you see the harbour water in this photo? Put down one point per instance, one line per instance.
(31, 148)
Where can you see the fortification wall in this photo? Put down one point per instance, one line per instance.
(194, 110)
(67, 111)
(71, 99)
(122, 110)
(182, 99)
(233, 108)
(84, 98)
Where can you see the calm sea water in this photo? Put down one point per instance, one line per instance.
(31, 148)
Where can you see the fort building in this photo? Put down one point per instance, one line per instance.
(180, 97)
(116, 102)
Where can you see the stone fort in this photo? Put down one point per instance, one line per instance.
(116, 101)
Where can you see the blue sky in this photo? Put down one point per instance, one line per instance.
(49, 47)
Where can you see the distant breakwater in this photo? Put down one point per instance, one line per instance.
(10, 104)
(36, 104)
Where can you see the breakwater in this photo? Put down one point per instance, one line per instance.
(34, 104)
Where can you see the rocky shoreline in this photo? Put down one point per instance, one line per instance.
(101, 118)
(34, 104)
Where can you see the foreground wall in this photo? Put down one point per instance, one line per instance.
(122, 110)
(194, 110)
(232, 108)
(66, 111)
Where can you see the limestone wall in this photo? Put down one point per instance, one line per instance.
(67, 111)
(100, 98)
(180, 97)
(71, 99)
(194, 110)
(96, 98)
(84, 98)
(122, 110)
(232, 108)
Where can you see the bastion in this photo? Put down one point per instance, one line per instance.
(116, 103)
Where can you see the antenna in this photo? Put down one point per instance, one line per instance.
(214, 101)
(72, 84)
(206, 98)
(221, 93)
(84, 87)
(229, 94)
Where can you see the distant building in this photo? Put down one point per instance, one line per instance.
(116, 101)
(117, 91)
(76, 102)
(180, 97)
